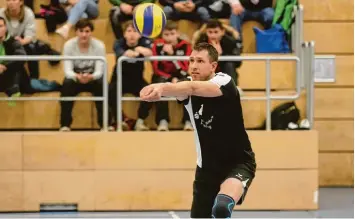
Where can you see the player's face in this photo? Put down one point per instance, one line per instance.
(84, 34)
(170, 36)
(200, 66)
(214, 34)
(131, 36)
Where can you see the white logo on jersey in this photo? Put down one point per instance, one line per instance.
(245, 182)
(204, 123)
(199, 113)
(240, 176)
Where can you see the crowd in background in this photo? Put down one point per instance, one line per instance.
(18, 37)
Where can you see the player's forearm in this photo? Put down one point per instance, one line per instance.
(184, 88)
(189, 88)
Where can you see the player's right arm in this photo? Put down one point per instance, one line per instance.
(181, 90)
(220, 85)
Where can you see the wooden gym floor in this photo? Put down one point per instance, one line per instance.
(333, 203)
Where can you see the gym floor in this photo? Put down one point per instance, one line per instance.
(333, 203)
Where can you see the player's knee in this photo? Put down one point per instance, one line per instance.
(223, 206)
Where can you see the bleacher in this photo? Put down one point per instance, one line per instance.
(251, 76)
(90, 167)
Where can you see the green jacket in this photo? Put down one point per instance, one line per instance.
(12, 47)
(130, 2)
(284, 14)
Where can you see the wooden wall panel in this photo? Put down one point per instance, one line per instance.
(59, 151)
(335, 135)
(328, 10)
(11, 198)
(282, 151)
(336, 169)
(11, 151)
(162, 191)
(264, 192)
(12, 116)
(334, 103)
(150, 190)
(123, 151)
(52, 187)
(330, 38)
(143, 150)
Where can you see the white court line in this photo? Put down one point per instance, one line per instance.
(173, 215)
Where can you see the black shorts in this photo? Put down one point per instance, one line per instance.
(207, 185)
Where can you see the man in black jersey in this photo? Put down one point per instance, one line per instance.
(225, 160)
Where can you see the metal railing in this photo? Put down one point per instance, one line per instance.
(104, 98)
(304, 58)
(268, 96)
(297, 37)
(308, 69)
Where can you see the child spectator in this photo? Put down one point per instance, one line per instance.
(169, 45)
(131, 45)
(82, 75)
(226, 44)
(122, 12)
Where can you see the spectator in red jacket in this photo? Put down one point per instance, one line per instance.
(169, 71)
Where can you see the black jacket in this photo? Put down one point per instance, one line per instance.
(230, 46)
(13, 47)
(256, 5)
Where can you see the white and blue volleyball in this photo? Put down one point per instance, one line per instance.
(149, 20)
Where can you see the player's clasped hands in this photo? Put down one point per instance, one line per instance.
(151, 93)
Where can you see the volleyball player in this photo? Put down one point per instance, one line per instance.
(225, 160)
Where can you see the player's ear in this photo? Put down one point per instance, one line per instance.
(214, 66)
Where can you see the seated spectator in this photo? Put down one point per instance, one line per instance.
(77, 9)
(21, 25)
(225, 42)
(168, 71)
(122, 12)
(219, 9)
(189, 10)
(10, 70)
(246, 10)
(82, 75)
(131, 45)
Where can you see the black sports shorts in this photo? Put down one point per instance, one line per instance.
(207, 185)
